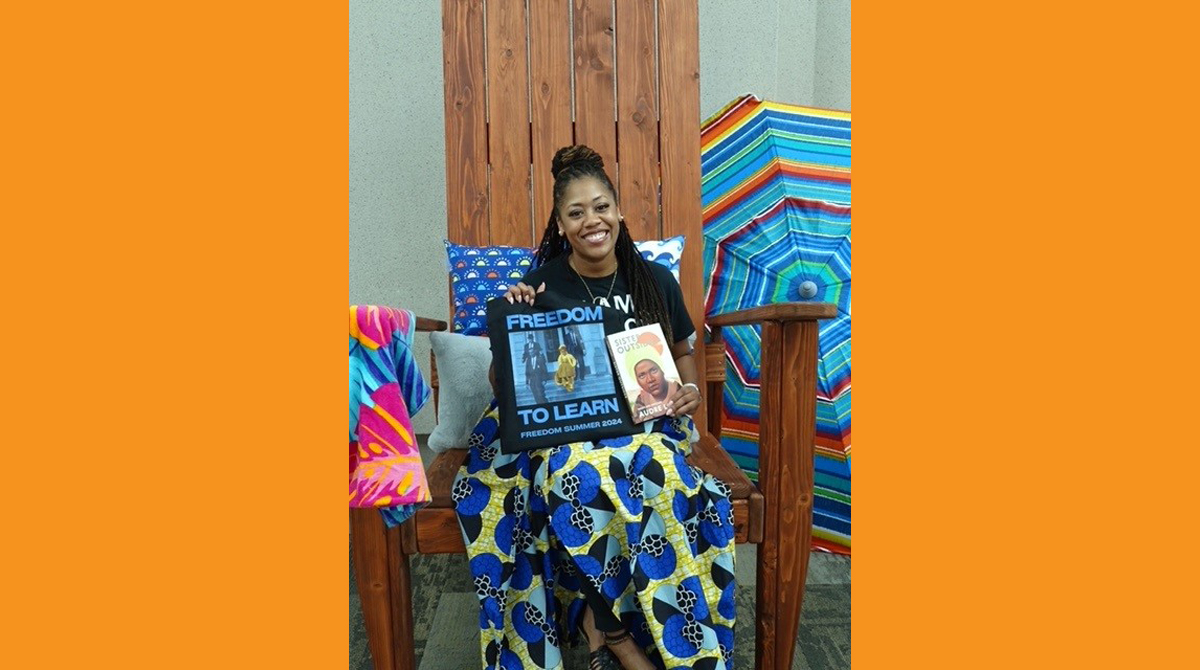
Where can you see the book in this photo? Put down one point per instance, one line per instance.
(646, 369)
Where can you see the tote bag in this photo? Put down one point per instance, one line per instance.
(554, 376)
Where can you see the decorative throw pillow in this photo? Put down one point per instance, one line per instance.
(478, 274)
(464, 391)
(666, 252)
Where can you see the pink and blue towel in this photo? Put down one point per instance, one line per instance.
(386, 388)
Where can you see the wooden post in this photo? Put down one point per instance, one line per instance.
(786, 454)
(369, 546)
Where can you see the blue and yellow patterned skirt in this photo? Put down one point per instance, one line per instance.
(652, 534)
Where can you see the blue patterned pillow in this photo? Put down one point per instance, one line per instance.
(666, 252)
(478, 274)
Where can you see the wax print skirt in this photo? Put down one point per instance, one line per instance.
(650, 533)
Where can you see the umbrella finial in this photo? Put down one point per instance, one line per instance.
(808, 290)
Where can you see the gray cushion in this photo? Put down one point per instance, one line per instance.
(463, 388)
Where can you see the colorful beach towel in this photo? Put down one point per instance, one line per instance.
(386, 388)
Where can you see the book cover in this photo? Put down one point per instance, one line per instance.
(554, 381)
(646, 369)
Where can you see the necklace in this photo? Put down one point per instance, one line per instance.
(589, 290)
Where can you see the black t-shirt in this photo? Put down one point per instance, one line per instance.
(560, 278)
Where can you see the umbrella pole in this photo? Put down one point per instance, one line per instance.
(786, 451)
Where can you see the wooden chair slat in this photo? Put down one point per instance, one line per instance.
(466, 131)
(511, 220)
(550, 98)
(637, 118)
(595, 103)
(679, 114)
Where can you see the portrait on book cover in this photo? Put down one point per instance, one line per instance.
(654, 387)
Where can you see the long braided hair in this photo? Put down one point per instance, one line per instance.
(576, 162)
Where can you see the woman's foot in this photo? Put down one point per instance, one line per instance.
(627, 651)
(603, 659)
(612, 651)
(600, 658)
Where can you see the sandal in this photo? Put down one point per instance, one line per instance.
(603, 659)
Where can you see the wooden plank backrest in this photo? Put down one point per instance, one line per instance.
(508, 123)
(525, 78)
(594, 61)
(550, 97)
(679, 162)
(467, 200)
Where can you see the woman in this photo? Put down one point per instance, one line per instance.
(618, 539)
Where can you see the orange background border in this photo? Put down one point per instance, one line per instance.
(177, 189)
(1019, 336)
(178, 208)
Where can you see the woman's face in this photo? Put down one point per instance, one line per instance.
(589, 219)
(650, 378)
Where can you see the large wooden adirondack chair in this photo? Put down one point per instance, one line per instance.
(517, 87)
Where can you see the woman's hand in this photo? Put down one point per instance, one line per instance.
(523, 292)
(685, 401)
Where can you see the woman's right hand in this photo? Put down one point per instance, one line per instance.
(523, 292)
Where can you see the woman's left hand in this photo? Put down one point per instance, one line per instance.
(685, 401)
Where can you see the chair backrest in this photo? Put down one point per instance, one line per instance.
(623, 78)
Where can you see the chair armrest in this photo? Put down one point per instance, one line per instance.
(425, 324)
(786, 311)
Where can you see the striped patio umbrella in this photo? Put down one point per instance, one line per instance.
(776, 195)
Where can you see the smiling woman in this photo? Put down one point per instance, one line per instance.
(619, 539)
(589, 217)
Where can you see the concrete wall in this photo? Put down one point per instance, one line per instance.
(397, 163)
(802, 59)
(831, 56)
(397, 140)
